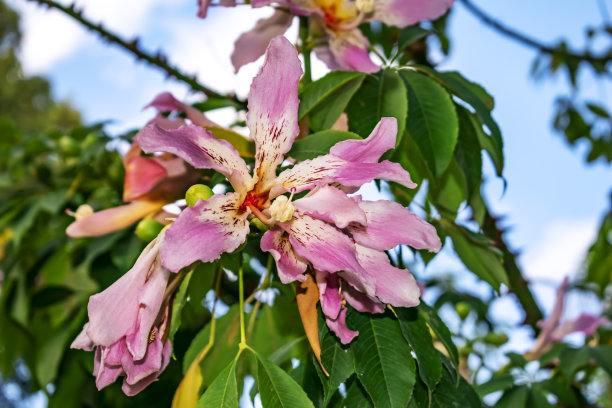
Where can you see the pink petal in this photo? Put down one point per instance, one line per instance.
(332, 205)
(326, 247)
(141, 175)
(394, 286)
(339, 327)
(360, 301)
(167, 102)
(105, 374)
(203, 8)
(205, 231)
(273, 108)
(585, 323)
(290, 266)
(83, 341)
(390, 224)
(328, 168)
(329, 290)
(112, 219)
(368, 150)
(553, 320)
(150, 297)
(350, 51)
(198, 147)
(113, 312)
(252, 44)
(114, 354)
(133, 389)
(402, 13)
(138, 369)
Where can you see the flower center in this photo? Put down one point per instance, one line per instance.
(282, 208)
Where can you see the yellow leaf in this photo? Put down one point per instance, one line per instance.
(307, 297)
(188, 392)
(245, 146)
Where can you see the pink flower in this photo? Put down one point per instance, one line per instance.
(128, 325)
(341, 238)
(336, 22)
(150, 182)
(554, 332)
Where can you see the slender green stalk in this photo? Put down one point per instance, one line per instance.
(305, 50)
(243, 343)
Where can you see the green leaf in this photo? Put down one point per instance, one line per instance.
(411, 34)
(318, 143)
(514, 397)
(337, 360)
(598, 110)
(482, 260)
(415, 330)
(223, 392)
(325, 99)
(452, 393)
(277, 388)
(573, 359)
(383, 363)
(497, 383)
(537, 398)
(356, 397)
(177, 307)
(468, 152)
(441, 331)
(244, 146)
(432, 120)
(450, 190)
(603, 356)
(379, 96)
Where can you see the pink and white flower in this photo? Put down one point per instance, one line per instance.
(340, 238)
(128, 325)
(336, 23)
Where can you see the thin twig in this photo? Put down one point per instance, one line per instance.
(158, 60)
(531, 42)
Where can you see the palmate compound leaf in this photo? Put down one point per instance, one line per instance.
(432, 120)
(277, 389)
(383, 362)
(415, 330)
(379, 96)
(337, 359)
(223, 392)
(325, 99)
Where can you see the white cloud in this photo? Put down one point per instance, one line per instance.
(560, 249)
(50, 37)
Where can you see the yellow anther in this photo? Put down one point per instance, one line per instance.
(282, 209)
(365, 6)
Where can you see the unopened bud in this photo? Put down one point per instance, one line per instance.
(462, 309)
(147, 229)
(365, 6)
(496, 339)
(282, 209)
(196, 193)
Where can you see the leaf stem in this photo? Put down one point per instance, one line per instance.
(307, 78)
(243, 343)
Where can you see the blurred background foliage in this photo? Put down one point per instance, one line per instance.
(50, 162)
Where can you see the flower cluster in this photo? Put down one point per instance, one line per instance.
(340, 43)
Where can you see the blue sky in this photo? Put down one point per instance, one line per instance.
(553, 201)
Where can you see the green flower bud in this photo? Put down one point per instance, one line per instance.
(197, 192)
(147, 229)
(68, 146)
(496, 339)
(462, 309)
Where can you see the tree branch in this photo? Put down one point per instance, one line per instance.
(600, 60)
(158, 60)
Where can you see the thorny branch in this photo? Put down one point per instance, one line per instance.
(587, 56)
(158, 60)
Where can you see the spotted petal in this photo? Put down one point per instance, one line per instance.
(290, 266)
(165, 101)
(273, 108)
(205, 231)
(394, 286)
(390, 224)
(200, 148)
(323, 245)
(331, 205)
(402, 13)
